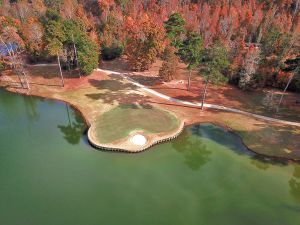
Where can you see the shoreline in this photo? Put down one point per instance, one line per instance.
(183, 126)
(96, 94)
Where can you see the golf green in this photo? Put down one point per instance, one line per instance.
(120, 121)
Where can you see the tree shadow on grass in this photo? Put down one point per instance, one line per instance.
(143, 105)
(168, 88)
(145, 80)
(116, 90)
(189, 98)
(121, 98)
(118, 64)
(112, 85)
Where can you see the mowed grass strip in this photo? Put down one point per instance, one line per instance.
(120, 121)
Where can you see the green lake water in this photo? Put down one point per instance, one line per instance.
(49, 175)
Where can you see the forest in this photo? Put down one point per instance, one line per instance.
(247, 43)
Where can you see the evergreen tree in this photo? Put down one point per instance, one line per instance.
(175, 29)
(191, 52)
(59, 35)
(216, 63)
(55, 36)
(87, 50)
(169, 66)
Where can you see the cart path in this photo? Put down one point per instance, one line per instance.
(198, 104)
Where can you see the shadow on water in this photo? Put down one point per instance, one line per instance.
(295, 184)
(9, 103)
(31, 108)
(75, 128)
(225, 138)
(222, 137)
(195, 152)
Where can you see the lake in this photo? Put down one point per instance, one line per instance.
(50, 175)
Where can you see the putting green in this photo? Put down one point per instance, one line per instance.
(117, 123)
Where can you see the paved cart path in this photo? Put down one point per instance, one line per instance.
(198, 104)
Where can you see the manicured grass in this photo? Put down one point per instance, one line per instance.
(120, 121)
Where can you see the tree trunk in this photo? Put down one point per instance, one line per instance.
(259, 35)
(204, 93)
(265, 24)
(20, 63)
(285, 89)
(75, 54)
(69, 66)
(189, 80)
(296, 7)
(26, 80)
(61, 75)
(20, 80)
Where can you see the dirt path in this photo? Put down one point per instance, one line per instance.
(198, 104)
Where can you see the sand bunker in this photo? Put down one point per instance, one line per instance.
(138, 139)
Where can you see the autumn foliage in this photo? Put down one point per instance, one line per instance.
(145, 42)
(143, 28)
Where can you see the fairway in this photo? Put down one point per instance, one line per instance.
(119, 122)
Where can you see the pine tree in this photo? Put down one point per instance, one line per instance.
(169, 67)
(216, 63)
(191, 52)
(175, 29)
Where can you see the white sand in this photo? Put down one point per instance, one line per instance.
(138, 139)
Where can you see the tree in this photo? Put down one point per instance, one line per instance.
(112, 37)
(295, 75)
(88, 55)
(53, 4)
(14, 44)
(216, 62)
(85, 48)
(250, 65)
(145, 42)
(191, 52)
(61, 35)
(175, 29)
(169, 66)
(215, 65)
(33, 33)
(55, 36)
(271, 42)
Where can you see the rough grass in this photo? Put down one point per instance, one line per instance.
(276, 140)
(120, 121)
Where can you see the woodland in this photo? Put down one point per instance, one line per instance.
(248, 43)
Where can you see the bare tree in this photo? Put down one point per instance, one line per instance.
(205, 92)
(61, 75)
(16, 63)
(296, 72)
